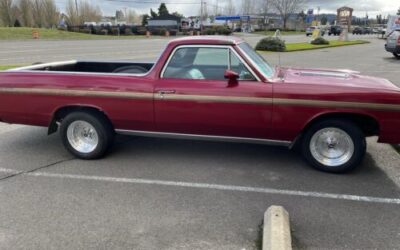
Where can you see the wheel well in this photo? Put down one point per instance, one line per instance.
(366, 123)
(60, 113)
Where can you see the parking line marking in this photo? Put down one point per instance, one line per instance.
(221, 187)
(348, 197)
(9, 171)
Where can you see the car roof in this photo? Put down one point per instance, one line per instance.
(207, 40)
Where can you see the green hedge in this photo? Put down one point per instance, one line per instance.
(217, 30)
(271, 44)
(319, 41)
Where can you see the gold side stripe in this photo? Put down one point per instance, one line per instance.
(203, 98)
(334, 104)
(70, 92)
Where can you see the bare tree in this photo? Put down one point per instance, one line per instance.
(72, 13)
(248, 7)
(131, 16)
(7, 14)
(25, 9)
(89, 12)
(82, 12)
(38, 13)
(229, 8)
(287, 7)
(50, 13)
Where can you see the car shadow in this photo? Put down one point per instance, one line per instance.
(391, 59)
(223, 163)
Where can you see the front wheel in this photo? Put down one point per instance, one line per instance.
(396, 55)
(334, 146)
(86, 135)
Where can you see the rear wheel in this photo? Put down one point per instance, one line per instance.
(86, 135)
(396, 55)
(334, 146)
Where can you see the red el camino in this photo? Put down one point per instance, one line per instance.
(215, 88)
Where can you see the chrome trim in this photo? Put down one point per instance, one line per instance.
(324, 74)
(208, 46)
(35, 66)
(203, 137)
(270, 79)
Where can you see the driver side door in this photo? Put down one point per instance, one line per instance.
(192, 96)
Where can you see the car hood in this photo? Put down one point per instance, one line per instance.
(330, 77)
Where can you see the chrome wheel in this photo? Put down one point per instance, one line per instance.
(331, 147)
(82, 136)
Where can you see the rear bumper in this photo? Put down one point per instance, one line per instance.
(392, 50)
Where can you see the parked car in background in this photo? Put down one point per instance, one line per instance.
(357, 31)
(362, 31)
(237, 29)
(335, 30)
(310, 30)
(393, 43)
(367, 30)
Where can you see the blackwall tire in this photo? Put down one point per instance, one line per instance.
(86, 135)
(334, 146)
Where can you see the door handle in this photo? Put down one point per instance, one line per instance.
(161, 93)
(165, 92)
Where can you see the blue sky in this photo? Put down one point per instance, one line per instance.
(373, 7)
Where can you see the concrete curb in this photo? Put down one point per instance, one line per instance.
(276, 231)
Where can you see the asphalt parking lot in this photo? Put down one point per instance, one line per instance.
(170, 194)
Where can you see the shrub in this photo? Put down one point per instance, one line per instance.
(103, 32)
(158, 31)
(223, 30)
(209, 31)
(319, 41)
(217, 30)
(128, 31)
(173, 32)
(86, 31)
(271, 44)
(140, 30)
(115, 31)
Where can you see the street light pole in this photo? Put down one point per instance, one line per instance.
(201, 16)
(76, 6)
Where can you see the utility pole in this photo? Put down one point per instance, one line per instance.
(201, 16)
(77, 12)
(76, 7)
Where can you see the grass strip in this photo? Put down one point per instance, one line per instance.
(290, 47)
(283, 33)
(5, 67)
(54, 34)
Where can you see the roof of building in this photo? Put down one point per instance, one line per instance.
(167, 17)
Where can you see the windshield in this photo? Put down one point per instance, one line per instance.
(257, 60)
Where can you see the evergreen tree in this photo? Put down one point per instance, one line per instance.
(144, 19)
(153, 13)
(162, 10)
